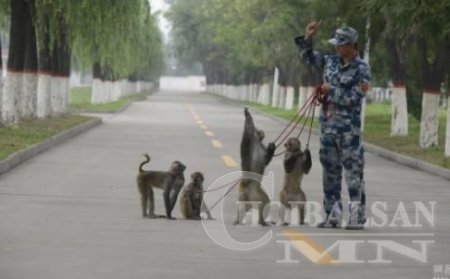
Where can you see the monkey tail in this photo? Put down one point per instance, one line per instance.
(147, 159)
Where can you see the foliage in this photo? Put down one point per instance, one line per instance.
(121, 36)
(242, 40)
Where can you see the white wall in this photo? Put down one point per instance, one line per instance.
(189, 83)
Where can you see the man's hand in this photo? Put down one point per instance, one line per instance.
(325, 87)
(312, 28)
(364, 87)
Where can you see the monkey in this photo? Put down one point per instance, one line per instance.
(170, 182)
(254, 158)
(296, 164)
(191, 201)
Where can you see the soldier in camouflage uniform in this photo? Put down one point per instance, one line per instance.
(346, 80)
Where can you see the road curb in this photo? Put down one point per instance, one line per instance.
(387, 154)
(122, 109)
(21, 156)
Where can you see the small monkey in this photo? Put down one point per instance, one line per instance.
(191, 201)
(170, 182)
(296, 163)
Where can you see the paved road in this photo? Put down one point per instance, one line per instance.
(73, 211)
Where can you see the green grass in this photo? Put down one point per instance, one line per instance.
(80, 100)
(378, 128)
(33, 131)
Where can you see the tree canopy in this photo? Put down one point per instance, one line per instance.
(121, 36)
(238, 41)
(238, 38)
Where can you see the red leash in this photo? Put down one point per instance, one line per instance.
(316, 99)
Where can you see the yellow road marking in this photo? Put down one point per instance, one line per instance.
(204, 127)
(308, 247)
(229, 161)
(199, 122)
(209, 134)
(216, 143)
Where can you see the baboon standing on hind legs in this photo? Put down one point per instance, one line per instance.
(254, 158)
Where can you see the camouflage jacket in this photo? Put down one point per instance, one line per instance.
(345, 97)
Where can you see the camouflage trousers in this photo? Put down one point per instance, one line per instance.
(340, 153)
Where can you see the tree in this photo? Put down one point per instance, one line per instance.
(121, 37)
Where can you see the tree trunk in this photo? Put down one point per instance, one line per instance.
(106, 89)
(312, 80)
(27, 103)
(303, 90)
(44, 66)
(275, 88)
(290, 98)
(399, 111)
(447, 133)
(291, 86)
(60, 61)
(433, 77)
(447, 130)
(429, 122)
(1, 79)
(399, 107)
(366, 57)
(265, 94)
(394, 59)
(97, 84)
(282, 88)
(13, 86)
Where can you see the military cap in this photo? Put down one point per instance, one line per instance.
(344, 35)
